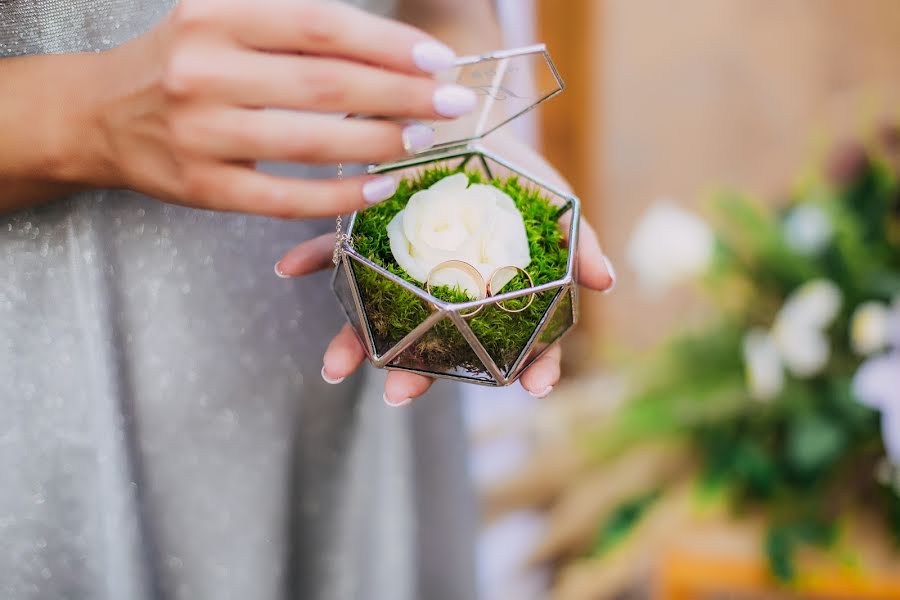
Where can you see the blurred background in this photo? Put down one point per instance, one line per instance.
(673, 110)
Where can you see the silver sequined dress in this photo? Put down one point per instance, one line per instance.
(164, 432)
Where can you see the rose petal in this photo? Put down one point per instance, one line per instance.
(457, 277)
(414, 213)
(400, 248)
(454, 183)
(502, 200)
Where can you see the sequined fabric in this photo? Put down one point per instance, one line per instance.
(165, 432)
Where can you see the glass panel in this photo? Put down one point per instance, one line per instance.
(508, 83)
(538, 205)
(504, 335)
(369, 223)
(341, 285)
(391, 310)
(559, 323)
(442, 350)
(501, 171)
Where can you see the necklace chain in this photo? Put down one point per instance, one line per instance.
(339, 236)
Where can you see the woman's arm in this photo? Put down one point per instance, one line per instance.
(47, 145)
(183, 113)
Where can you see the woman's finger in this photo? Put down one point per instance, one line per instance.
(595, 271)
(287, 136)
(307, 257)
(401, 387)
(233, 188)
(314, 83)
(332, 29)
(343, 356)
(539, 379)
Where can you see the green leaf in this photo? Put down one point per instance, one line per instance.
(814, 443)
(782, 540)
(780, 553)
(621, 522)
(815, 532)
(856, 417)
(892, 499)
(754, 465)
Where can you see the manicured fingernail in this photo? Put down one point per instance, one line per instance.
(390, 402)
(431, 56)
(454, 100)
(329, 379)
(417, 138)
(543, 394)
(612, 275)
(279, 272)
(379, 189)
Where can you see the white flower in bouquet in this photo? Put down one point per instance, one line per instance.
(669, 245)
(799, 328)
(870, 328)
(453, 220)
(808, 229)
(797, 340)
(765, 375)
(877, 385)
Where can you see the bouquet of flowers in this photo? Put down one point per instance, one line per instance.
(785, 404)
(790, 399)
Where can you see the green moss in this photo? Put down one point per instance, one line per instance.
(393, 311)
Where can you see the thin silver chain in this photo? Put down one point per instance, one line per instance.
(339, 236)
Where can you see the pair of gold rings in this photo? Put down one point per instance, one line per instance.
(486, 288)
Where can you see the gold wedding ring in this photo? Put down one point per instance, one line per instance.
(490, 291)
(468, 268)
(484, 287)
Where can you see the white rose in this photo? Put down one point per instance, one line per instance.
(452, 220)
(669, 245)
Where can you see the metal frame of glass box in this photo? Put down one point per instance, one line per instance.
(558, 318)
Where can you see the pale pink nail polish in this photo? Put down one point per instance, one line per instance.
(329, 379)
(398, 404)
(612, 274)
(417, 138)
(379, 189)
(279, 272)
(454, 100)
(543, 394)
(432, 57)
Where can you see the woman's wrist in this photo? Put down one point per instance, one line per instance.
(50, 138)
(80, 152)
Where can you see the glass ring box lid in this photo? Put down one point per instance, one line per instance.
(467, 272)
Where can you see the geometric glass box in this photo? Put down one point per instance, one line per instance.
(445, 341)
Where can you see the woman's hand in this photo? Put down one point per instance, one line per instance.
(345, 354)
(184, 112)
